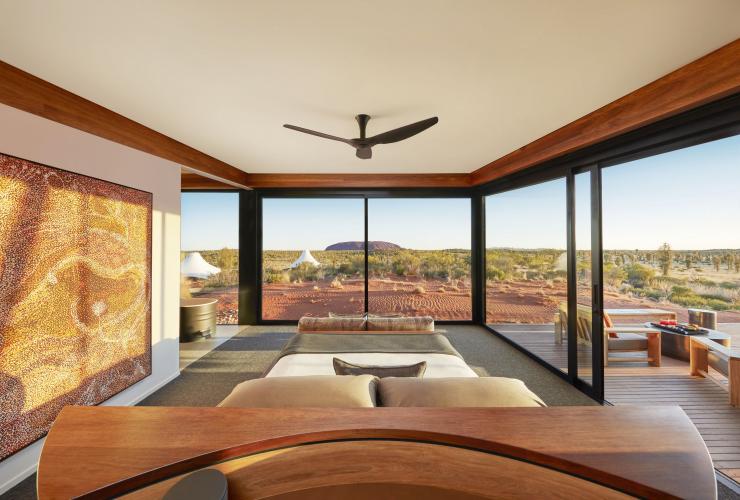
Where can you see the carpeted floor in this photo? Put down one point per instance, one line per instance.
(208, 380)
(249, 353)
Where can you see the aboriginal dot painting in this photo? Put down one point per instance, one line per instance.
(75, 307)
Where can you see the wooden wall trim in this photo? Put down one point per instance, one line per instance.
(29, 93)
(358, 180)
(190, 181)
(707, 79)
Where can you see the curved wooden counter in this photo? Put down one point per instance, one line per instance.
(646, 452)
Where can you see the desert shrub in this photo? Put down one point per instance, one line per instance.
(306, 272)
(704, 282)
(277, 277)
(494, 273)
(718, 305)
(729, 285)
(336, 283)
(614, 275)
(650, 293)
(419, 290)
(639, 275)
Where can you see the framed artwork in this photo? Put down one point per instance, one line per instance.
(75, 294)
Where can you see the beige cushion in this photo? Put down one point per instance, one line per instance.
(317, 391)
(343, 368)
(415, 324)
(335, 324)
(456, 392)
(628, 342)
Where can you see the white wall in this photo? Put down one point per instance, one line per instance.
(34, 138)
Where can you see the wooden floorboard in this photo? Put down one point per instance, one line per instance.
(705, 400)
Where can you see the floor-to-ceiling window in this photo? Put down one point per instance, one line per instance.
(210, 250)
(526, 268)
(313, 257)
(671, 238)
(419, 257)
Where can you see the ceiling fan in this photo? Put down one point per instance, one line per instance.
(363, 144)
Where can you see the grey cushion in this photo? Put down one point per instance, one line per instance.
(332, 324)
(401, 324)
(628, 342)
(343, 368)
(456, 392)
(317, 391)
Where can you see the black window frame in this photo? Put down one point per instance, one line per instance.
(360, 194)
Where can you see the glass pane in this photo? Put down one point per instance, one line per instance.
(419, 260)
(671, 244)
(583, 276)
(313, 258)
(526, 268)
(210, 251)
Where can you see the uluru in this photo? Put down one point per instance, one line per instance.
(360, 245)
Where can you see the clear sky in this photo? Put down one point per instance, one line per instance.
(689, 198)
(209, 221)
(420, 224)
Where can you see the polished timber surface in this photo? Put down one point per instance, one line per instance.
(638, 451)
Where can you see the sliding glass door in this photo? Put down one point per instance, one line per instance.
(526, 269)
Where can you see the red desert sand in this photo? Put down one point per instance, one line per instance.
(525, 302)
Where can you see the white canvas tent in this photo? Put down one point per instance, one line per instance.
(305, 257)
(195, 266)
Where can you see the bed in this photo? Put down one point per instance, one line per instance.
(312, 354)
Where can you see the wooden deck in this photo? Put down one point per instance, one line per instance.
(705, 401)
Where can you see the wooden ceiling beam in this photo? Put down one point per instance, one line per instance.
(358, 180)
(32, 94)
(707, 79)
(191, 181)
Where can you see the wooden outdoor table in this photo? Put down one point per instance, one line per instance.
(676, 345)
(603, 452)
(620, 316)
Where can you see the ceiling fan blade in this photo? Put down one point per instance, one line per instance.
(402, 133)
(364, 153)
(318, 134)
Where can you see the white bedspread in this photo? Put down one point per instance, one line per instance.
(438, 365)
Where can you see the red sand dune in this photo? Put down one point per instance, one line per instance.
(440, 299)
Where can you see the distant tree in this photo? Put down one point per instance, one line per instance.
(716, 261)
(737, 263)
(688, 260)
(730, 261)
(665, 258)
(619, 260)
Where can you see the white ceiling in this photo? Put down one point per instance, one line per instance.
(223, 76)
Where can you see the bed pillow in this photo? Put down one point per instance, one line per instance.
(332, 324)
(401, 324)
(343, 368)
(456, 392)
(317, 391)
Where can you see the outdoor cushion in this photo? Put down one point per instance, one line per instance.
(317, 391)
(456, 392)
(343, 368)
(628, 342)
